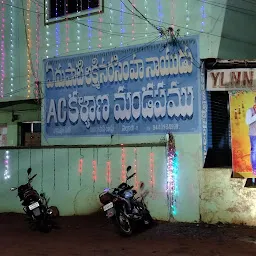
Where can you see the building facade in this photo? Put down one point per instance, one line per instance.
(43, 49)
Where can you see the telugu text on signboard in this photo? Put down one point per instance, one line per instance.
(134, 90)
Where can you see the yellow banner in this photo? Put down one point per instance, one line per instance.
(243, 133)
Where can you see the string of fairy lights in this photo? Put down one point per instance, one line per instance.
(100, 29)
(160, 13)
(133, 20)
(89, 25)
(2, 49)
(12, 38)
(67, 28)
(203, 15)
(187, 16)
(57, 28)
(111, 20)
(173, 13)
(37, 49)
(123, 163)
(146, 15)
(78, 26)
(47, 30)
(121, 23)
(29, 47)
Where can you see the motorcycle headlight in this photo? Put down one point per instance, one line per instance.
(128, 194)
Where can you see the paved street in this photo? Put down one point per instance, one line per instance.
(92, 236)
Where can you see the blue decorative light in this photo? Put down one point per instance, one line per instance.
(160, 13)
(57, 30)
(172, 174)
(203, 16)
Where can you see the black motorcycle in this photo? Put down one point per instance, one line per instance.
(35, 205)
(124, 209)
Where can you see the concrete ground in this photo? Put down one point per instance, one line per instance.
(93, 236)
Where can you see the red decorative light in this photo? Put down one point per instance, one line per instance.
(108, 172)
(80, 166)
(136, 185)
(123, 158)
(94, 170)
(152, 169)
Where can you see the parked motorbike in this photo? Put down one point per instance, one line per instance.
(121, 206)
(35, 205)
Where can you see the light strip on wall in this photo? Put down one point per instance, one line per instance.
(67, 28)
(172, 14)
(29, 47)
(203, 16)
(2, 50)
(94, 170)
(108, 173)
(57, 29)
(12, 38)
(6, 165)
(78, 35)
(146, 15)
(123, 167)
(187, 17)
(160, 13)
(47, 31)
(121, 24)
(135, 168)
(133, 21)
(37, 48)
(152, 169)
(172, 174)
(111, 22)
(78, 31)
(89, 28)
(100, 30)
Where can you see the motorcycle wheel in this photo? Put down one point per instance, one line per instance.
(124, 224)
(148, 220)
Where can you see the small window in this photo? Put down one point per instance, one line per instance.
(30, 134)
(59, 10)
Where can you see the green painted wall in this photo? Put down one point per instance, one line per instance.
(73, 198)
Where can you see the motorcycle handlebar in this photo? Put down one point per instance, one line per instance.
(131, 176)
(30, 179)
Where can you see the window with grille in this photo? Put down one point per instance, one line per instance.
(59, 10)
